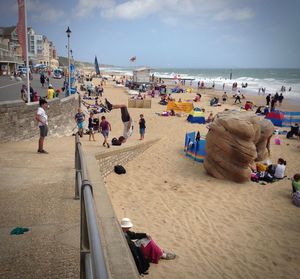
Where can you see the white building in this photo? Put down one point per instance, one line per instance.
(35, 43)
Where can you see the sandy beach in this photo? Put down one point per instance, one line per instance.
(218, 229)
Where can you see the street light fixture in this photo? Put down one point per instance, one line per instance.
(68, 31)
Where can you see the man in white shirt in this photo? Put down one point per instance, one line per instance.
(42, 119)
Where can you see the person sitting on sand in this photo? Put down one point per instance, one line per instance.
(197, 97)
(125, 116)
(259, 110)
(277, 171)
(214, 101)
(296, 190)
(249, 105)
(296, 183)
(224, 97)
(170, 98)
(210, 118)
(145, 244)
(280, 169)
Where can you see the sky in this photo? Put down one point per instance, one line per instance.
(169, 33)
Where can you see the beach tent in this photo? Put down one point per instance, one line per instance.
(276, 117)
(290, 119)
(193, 148)
(196, 116)
(283, 119)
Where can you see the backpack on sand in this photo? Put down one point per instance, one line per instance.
(115, 141)
(119, 169)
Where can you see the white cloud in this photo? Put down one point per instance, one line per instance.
(44, 12)
(86, 7)
(168, 11)
(134, 9)
(230, 14)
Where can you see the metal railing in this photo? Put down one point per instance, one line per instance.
(92, 263)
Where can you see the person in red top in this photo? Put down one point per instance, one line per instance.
(104, 129)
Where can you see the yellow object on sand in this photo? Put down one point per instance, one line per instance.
(189, 90)
(261, 167)
(180, 106)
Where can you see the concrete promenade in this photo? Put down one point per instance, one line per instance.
(37, 192)
(11, 89)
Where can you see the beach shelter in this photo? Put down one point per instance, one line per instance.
(290, 119)
(196, 116)
(194, 149)
(276, 117)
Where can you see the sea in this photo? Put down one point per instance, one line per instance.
(270, 79)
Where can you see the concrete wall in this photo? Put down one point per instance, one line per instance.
(17, 119)
(109, 159)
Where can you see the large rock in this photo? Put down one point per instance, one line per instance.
(235, 140)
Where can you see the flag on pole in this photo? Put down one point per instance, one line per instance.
(133, 58)
(21, 28)
(97, 69)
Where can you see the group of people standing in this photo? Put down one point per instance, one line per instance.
(104, 126)
(273, 100)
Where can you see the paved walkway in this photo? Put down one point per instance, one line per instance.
(37, 192)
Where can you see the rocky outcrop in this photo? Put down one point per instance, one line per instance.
(235, 140)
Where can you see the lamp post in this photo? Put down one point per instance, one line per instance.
(69, 72)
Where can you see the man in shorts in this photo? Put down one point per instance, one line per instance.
(125, 116)
(42, 119)
(79, 118)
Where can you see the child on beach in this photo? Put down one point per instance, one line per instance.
(91, 127)
(296, 190)
(79, 118)
(142, 124)
(104, 129)
(296, 183)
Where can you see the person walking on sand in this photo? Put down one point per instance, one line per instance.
(104, 129)
(238, 97)
(125, 116)
(268, 99)
(79, 118)
(142, 124)
(42, 79)
(42, 119)
(91, 127)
